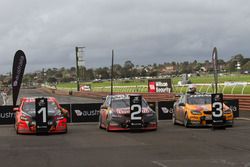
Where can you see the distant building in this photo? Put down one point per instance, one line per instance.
(203, 69)
(169, 69)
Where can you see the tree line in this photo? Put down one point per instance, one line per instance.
(130, 70)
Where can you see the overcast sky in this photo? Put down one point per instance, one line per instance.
(143, 31)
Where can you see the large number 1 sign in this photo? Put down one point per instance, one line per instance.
(136, 111)
(41, 115)
(217, 110)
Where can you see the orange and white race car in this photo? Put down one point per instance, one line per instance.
(196, 110)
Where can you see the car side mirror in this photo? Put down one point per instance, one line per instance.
(16, 109)
(65, 112)
(151, 105)
(182, 105)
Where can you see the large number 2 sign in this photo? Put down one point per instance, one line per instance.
(137, 112)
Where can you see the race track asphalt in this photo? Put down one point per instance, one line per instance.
(85, 145)
(169, 146)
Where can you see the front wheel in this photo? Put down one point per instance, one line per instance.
(100, 122)
(107, 123)
(66, 130)
(174, 119)
(107, 127)
(17, 132)
(186, 121)
(231, 125)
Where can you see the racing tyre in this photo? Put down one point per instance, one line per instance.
(174, 119)
(66, 130)
(107, 127)
(107, 124)
(231, 125)
(17, 132)
(186, 121)
(100, 122)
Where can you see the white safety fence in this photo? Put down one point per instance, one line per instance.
(226, 88)
(137, 88)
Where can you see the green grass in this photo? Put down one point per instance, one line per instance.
(141, 85)
(221, 79)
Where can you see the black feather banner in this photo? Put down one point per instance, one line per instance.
(18, 68)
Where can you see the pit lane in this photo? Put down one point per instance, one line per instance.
(41, 93)
(169, 146)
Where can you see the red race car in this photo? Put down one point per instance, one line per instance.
(25, 119)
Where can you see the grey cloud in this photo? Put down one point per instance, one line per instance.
(143, 31)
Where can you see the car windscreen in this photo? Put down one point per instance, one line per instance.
(199, 100)
(29, 108)
(124, 103)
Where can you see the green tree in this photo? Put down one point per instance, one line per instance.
(246, 66)
(102, 73)
(89, 75)
(52, 80)
(127, 71)
(117, 71)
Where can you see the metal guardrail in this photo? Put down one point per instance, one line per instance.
(137, 88)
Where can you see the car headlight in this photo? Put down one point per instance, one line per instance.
(228, 111)
(195, 112)
(24, 118)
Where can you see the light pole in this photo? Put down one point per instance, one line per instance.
(78, 59)
(112, 71)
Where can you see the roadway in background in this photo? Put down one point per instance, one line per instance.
(40, 93)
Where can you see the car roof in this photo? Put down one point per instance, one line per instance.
(199, 95)
(32, 99)
(121, 96)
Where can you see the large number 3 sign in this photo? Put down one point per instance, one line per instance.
(217, 109)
